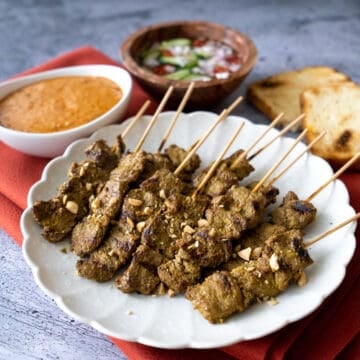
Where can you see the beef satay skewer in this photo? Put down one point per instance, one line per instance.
(200, 141)
(277, 164)
(336, 175)
(154, 118)
(217, 161)
(308, 147)
(176, 116)
(303, 210)
(138, 115)
(244, 154)
(333, 229)
(281, 133)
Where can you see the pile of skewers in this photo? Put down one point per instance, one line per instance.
(159, 225)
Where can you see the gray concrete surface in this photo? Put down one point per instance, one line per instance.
(288, 34)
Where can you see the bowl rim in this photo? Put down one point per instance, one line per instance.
(67, 71)
(140, 72)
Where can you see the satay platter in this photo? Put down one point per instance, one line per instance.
(170, 321)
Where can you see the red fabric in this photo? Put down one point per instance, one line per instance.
(331, 331)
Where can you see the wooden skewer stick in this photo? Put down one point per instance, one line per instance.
(277, 164)
(234, 104)
(229, 110)
(335, 176)
(154, 118)
(217, 161)
(244, 154)
(296, 159)
(333, 229)
(200, 141)
(281, 133)
(176, 116)
(138, 115)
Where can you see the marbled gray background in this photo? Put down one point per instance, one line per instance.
(288, 35)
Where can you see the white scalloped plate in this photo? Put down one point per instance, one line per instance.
(171, 322)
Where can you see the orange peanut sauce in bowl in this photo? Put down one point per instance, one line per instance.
(58, 104)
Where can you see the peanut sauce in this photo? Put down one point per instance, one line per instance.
(58, 104)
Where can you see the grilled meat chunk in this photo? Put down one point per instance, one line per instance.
(59, 215)
(160, 234)
(141, 275)
(237, 210)
(111, 255)
(178, 273)
(282, 261)
(250, 245)
(180, 213)
(294, 213)
(225, 176)
(123, 238)
(210, 245)
(104, 156)
(196, 250)
(176, 155)
(164, 183)
(155, 162)
(206, 248)
(140, 204)
(217, 297)
(89, 233)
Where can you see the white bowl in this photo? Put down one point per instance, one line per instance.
(54, 143)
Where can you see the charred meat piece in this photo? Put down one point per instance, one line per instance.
(294, 213)
(180, 213)
(176, 155)
(89, 233)
(164, 183)
(141, 275)
(217, 297)
(111, 255)
(59, 215)
(210, 245)
(282, 261)
(119, 147)
(104, 156)
(140, 204)
(225, 176)
(155, 162)
(235, 211)
(179, 273)
(160, 234)
(196, 251)
(206, 248)
(123, 238)
(251, 243)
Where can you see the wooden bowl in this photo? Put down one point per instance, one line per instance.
(205, 93)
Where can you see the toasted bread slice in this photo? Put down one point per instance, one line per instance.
(281, 92)
(336, 109)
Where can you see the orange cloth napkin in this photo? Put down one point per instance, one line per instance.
(331, 331)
